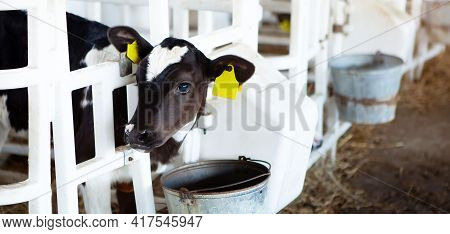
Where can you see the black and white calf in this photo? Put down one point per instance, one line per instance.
(88, 45)
(172, 80)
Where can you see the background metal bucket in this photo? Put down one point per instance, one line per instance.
(216, 187)
(366, 87)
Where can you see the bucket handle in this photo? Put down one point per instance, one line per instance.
(224, 186)
(243, 158)
(185, 193)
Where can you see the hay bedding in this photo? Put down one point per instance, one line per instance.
(400, 167)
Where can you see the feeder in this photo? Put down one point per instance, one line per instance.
(366, 87)
(217, 187)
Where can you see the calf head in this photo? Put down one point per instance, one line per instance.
(172, 80)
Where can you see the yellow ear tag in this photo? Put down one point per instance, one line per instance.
(226, 85)
(132, 52)
(285, 25)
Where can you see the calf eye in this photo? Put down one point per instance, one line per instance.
(184, 88)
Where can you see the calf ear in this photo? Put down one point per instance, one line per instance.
(242, 68)
(121, 36)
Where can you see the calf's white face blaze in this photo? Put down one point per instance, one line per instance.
(162, 57)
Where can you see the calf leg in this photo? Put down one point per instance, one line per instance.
(127, 202)
(97, 195)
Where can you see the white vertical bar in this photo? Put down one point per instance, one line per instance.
(39, 111)
(159, 20)
(325, 20)
(35, 34)
(300, 22)
(205, 22)
(339, 19)
(64, 146)
(416, 8)
(315, 21)
(94, 11)
(103, 120)
(127, 14)
(422, 48)
(39, 147)
(399, 5)
(321, 64)
(180, 23)
(333, 123)
(247, 13)
(63, 132)
(142, 184)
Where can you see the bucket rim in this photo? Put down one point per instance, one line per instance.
(334, 68)
(215, 195)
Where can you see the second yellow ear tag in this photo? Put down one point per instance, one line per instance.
(226, 85)
(132, 52)
(285, 25)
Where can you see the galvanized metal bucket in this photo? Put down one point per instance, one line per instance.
(437, 20)
(366, 87)
(217, 187)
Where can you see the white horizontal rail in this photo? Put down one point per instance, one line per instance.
(14, 148)
(274, 40)
(329, 140)
(7, 5)
(22, 192)
(96, 75)
(118, 2)
(99, 165)
(19, 78)
(276, 6)
(202, 5)
(433, 52)
(283, 62)
(209, 41)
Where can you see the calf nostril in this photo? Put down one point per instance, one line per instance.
(143, 136)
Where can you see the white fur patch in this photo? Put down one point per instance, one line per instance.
(129, 127)
(163, 168)
(107, 54)
(4, 114)
(162, 57)
(121, 175)
(97, 195)
(100, 188)
(5, 124)
(84, 103)
(95, 56)
(181, 134)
